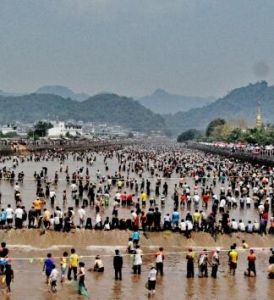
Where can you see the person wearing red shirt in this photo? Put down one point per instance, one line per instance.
(205, 200)
(124, 199)
(251, 263)
(129, 199)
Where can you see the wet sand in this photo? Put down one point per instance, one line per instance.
(84, 238)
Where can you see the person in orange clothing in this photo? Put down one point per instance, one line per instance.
(160, 261)
(251, 263)
(38, 206)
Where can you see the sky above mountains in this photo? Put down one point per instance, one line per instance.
(190, 47)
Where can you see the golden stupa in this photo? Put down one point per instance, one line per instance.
(259, 120)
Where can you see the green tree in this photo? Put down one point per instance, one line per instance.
(213, 125)
(40, 129)
(235, 135)
(189, 135)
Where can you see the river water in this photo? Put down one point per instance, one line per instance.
(30, 282)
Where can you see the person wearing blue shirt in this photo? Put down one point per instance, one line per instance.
(3, 218)
(175, 218)
(135, 237)
(48, 266)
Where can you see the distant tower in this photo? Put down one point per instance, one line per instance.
(259, 121)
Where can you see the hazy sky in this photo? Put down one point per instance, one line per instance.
(132, 47)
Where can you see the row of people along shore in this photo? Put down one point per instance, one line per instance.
(71, 267)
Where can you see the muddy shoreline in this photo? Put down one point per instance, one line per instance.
(85, 238)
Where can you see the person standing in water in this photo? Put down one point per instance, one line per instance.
(215, 262)
(152, 281)
(53, 279)
(82, 290)
(48, 266)
(190, 263)
(63, 265)
(73, 264)
(160, 261)
(251, 258)
(271, 265)
(233, 259)
(9, 275)
(117, 265)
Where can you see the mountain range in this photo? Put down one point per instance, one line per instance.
(162, 102)
(240, 103)
(109, 108)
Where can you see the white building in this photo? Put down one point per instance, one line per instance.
(61, 129)
(8, 129)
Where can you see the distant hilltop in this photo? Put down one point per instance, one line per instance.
(163, 102)
(62, 91)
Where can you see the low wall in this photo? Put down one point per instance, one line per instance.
(241, 155)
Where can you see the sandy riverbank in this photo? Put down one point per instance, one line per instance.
(86, 238)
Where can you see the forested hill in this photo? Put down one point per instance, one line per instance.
(62, 91)
(108, 108)
(240, 103)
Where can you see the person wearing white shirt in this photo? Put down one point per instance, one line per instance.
(189, 228)
(18, 213)
(249, 227)
(53, 277)
(10, 214)
(196, 200)
(98, 221)
(234, 202)
(261, 208)
(98, 265)
(222, 205)
(234, 225)
(167, 222)
(52, 196)
(182, 226)
(57, 219)
(241, 226)
(152, 280)
(73, 188)
(248, 202)
(16, 187)
(117, 197)
(82, 216)
(137, 260)
(256, 226)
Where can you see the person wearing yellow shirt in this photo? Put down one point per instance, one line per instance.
(233, 259)
(143, 198)
(38, 206)
(196, 220)
(46, 218)
(73, 264)
(63, 265)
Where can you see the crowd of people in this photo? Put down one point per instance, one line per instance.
(166, 188)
